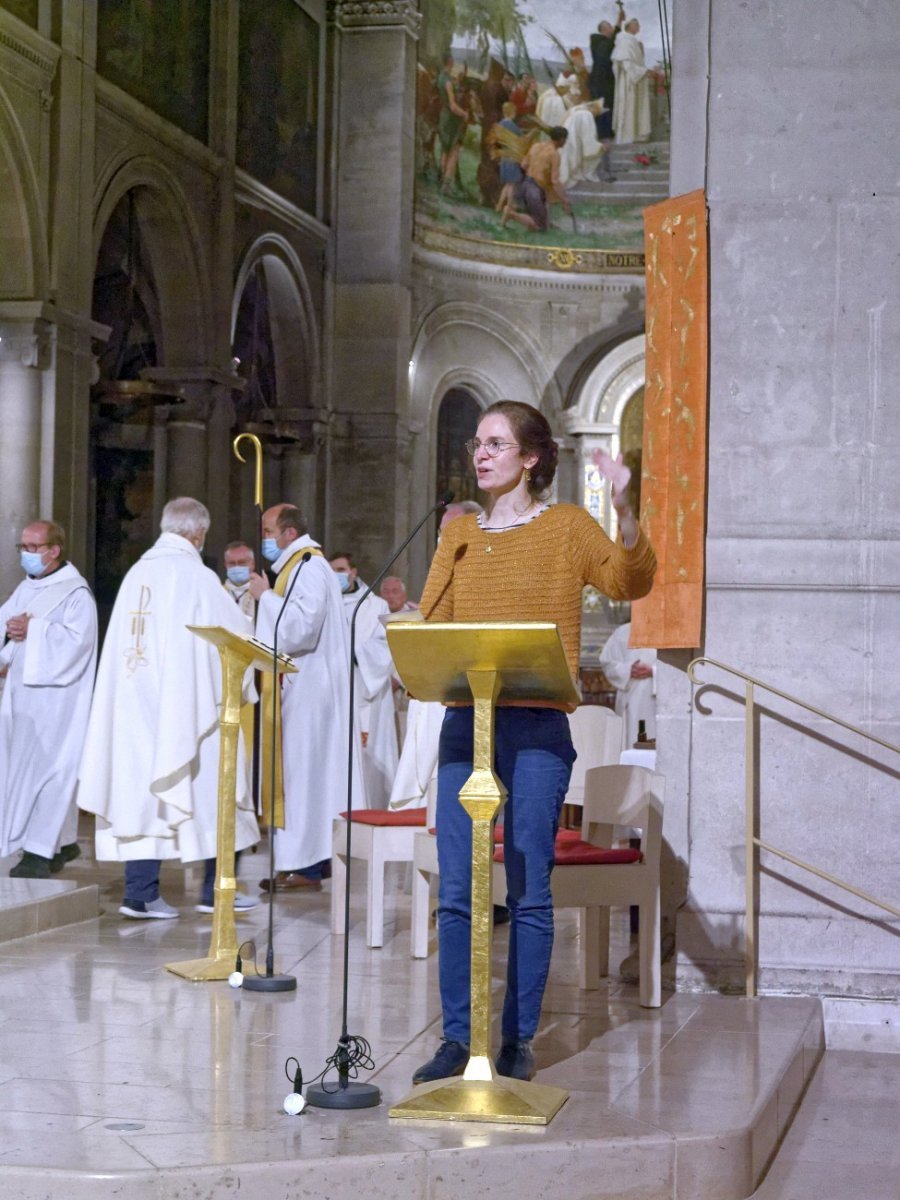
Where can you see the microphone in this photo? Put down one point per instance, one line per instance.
(270, 982)
(350, 1050)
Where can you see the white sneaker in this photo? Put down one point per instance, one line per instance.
(150, 910)
(242, 904)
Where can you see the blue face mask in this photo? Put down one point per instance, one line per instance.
(32, 562)
(270, 549)
(238, 575)
(343, 580)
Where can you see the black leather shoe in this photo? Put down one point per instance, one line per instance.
(516, 1060)
(450, 1059)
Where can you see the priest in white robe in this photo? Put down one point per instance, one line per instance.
(632, 672)
(583, 152)
(315, 702)
(631, 112)
(372, 686)
(552, 106)
(48, 628)
(150, 768)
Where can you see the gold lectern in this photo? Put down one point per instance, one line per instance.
(237, 654)
(482, 662)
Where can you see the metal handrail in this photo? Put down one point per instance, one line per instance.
(752, 841)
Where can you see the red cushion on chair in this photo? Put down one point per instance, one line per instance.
(583, 854)
(380, 816)
(565, 837)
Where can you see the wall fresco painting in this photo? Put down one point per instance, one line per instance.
(494, 79)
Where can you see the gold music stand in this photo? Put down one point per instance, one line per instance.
(237, 654)
(460, 662)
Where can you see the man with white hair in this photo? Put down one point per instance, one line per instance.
(631, 115)
(151, 758)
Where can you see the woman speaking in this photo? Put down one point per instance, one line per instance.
(522, 559)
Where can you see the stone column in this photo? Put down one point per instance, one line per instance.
(299, 472)
(25, 352)
(373, 62)
(198, 440)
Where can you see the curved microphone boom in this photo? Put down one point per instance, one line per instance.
(347, 1094)
(270, 982)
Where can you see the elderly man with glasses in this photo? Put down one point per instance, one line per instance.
(49, 631)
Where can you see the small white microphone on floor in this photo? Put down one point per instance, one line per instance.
(235, 979)
(294, 1104)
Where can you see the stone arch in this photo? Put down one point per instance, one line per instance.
(174, 244)
(498, 362)
(608, 387)
(24, 269)
(500, 356)
(298, 359)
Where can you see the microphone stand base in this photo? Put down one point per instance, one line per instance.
(269, 983)
(354, 1095)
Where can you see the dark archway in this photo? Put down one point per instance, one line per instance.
(458, 415)
(125, 297)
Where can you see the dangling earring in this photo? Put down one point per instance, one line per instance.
(526, 476)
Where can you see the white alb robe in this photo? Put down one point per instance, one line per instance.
(635, 698)
(315, 706)
(44, 710)
(583, 150)
(419, 756)
(373, 695)
(551, 107)
(150, 769)
(631, 110)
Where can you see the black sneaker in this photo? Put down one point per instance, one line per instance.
(516, 1060)
(450, 1059)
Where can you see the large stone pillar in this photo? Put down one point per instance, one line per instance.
(25, 352)
(373, 62)
(198, 442)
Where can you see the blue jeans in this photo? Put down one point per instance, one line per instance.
(208, 887)
(533, 758)
(142, 880)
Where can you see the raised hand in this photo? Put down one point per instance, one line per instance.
(617, 473)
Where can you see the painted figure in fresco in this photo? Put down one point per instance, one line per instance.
(541, 185)
(602, 80)
(510, 171)
(631, 119)
(495, 93)
(452, 120)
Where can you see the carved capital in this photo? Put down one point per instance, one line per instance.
(354, 16)
(28, 343)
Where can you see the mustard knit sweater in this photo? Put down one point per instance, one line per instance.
(534, 572)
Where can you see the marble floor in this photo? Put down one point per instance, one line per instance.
(118, 1078)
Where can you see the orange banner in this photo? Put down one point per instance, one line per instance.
(673, 475)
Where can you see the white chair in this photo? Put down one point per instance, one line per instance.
(625, 799)
(590, 873)
(425, 869)
(597, 735)
(378, 837)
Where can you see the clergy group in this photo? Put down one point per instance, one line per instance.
(139, 749)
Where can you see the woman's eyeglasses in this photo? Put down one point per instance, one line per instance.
(493, 446)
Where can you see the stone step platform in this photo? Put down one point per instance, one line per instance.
(29, 906)
(118, 1078)
(843, 1141)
